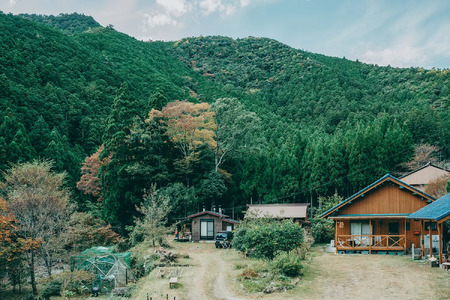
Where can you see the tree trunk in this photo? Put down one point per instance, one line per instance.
(32, 275)
(48, 262)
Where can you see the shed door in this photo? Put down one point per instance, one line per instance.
(207, 229)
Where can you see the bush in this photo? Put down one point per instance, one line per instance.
(287, 263)
(76, 282)
(53, 288)
(267, 237)
(322, 230)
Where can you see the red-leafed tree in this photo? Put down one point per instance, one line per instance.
(90, 182)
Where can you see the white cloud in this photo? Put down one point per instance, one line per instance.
(159, 19)
(245, 3)
(222, 6)
(210, 6)
(397, 56)
(175, 7)
(12, 2)
(400, 37)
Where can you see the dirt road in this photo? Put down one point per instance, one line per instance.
(207, 278)
(327, 276)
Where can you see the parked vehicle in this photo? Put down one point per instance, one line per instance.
(223, 239)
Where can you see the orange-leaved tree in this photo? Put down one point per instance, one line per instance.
(90, 182)
(189, 126)
(12, 247)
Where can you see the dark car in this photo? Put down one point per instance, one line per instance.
(223, 239)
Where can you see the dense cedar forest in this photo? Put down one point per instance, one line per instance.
(288, 125)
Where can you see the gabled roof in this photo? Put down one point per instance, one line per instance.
(387, 177)
(424, 174)
(290, 210)
(437, 210)
(225, 218)
(207, 212)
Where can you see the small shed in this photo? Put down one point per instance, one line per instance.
(422, 176)
(295, 211)
(206, 224)
(439, 212)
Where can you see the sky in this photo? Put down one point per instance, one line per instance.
(400, 33)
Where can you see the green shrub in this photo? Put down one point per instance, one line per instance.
(322, 230)
(77, 282)
(53, 288)
(264, 238)
(287, 263)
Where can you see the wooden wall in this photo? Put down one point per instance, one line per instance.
(343, 228)
(218, 225)
(386, 199)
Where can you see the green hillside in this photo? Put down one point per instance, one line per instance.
(68, 85)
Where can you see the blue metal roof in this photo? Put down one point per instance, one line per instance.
(435, 211)
(387, 176)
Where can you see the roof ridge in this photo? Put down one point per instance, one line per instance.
(423, 167)
(368, 188)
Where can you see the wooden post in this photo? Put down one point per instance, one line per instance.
(404, 230)
(440, 242)
(431, 245)
(335, 235)
(422, 242)
(370, 237)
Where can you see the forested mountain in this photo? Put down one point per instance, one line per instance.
(68, 23)
(325, 125)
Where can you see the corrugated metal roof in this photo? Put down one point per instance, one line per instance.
(434, 211)
(369, 187)
(290, 210)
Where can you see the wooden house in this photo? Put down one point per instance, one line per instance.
(206, 224)
(436, 213)
(424, 175)
(295, 211)
(375, 218)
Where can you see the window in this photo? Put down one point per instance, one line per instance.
(207, 229)
(393, 228)
(433, 226)
(408, 226)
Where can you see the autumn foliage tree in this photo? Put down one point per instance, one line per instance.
(40, 204)
(90, 182)
(12, 247)
(438, 187)
(189, 126)
(85, 231)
